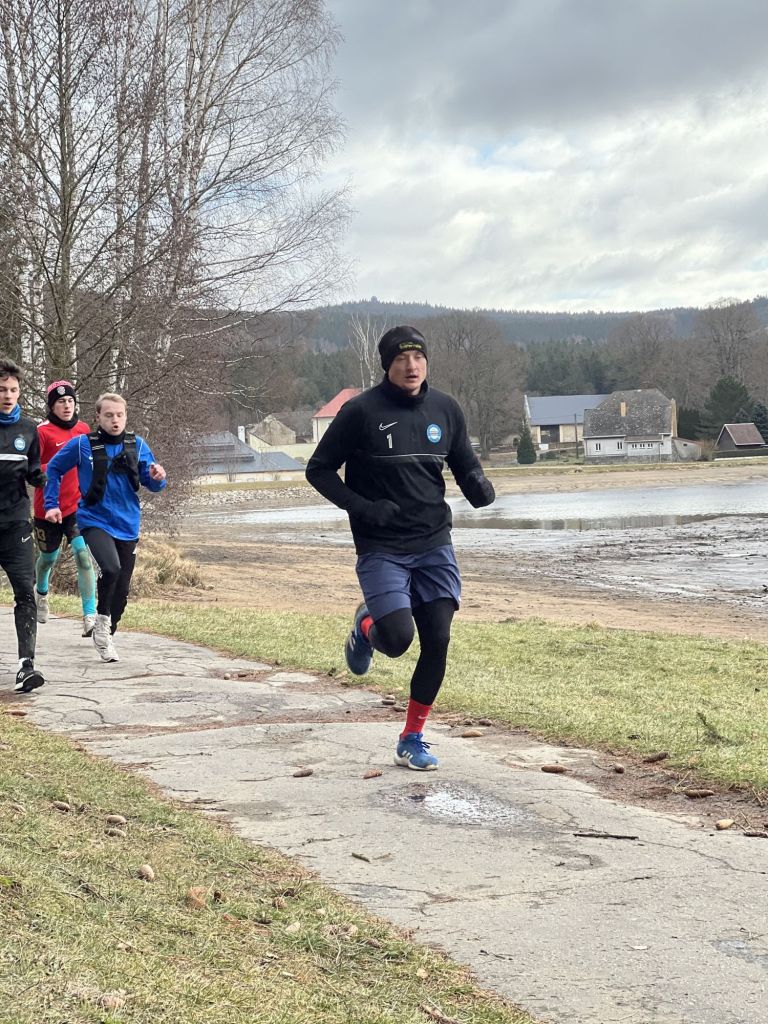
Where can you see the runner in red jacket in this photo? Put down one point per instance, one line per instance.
(61, 426)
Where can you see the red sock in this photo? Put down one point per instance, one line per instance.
(365, 626)
(416, 717)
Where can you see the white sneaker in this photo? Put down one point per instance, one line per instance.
(102, 638)
(41, 600)
(89, 621)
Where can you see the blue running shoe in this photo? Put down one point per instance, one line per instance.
(413, 752)
(357, 650)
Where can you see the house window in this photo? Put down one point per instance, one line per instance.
(597, 446)
(619, 445)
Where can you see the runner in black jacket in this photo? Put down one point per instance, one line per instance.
(394, 440)
(19, 466)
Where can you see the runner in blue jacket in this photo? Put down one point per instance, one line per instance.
(111, 464)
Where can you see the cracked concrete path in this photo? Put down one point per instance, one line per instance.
(480, 858)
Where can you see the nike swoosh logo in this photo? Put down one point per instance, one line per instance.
(60, 443)
(25, 539)
(386, 426)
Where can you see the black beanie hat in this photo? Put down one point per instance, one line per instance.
(59, 389)
(400, 339)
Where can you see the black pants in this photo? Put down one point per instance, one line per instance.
(393, 634)
(17, 559)
(116, 560)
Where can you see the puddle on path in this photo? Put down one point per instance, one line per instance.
(457, 805)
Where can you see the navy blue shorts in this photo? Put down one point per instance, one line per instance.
(390, 581)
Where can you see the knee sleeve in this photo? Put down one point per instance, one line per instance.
(392, 634)
(81, 555)
(46, 559)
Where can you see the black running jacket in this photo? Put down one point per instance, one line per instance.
(19, 466)
(394, 447)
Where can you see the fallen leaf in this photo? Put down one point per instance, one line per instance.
(399, 707)
(724, 823)
(61, 805)
(485, 721)
(18, 808)
(116, 819)
(698, 794)
(279, 903)
(372, 773)
(293, 928)
(388, 701)
(421, 973)
(469, 734)
(16, 712)
(146, 872)
(196, 897)
(115, 833)
(653, 758)
(619, 769)
(362, 856)
(303, 773)
(113, 1000)
(554, 769)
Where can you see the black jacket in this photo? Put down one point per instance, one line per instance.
(19, 466)
(394, 447)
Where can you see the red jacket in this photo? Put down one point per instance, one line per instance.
(52, 438)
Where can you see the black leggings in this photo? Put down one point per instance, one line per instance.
(393, 634)
(116, 560)
(17, 558)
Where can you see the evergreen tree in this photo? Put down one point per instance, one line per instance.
(526, 453)
(689, 423)
(727, 402)
(760, 419)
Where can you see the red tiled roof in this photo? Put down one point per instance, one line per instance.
(331, 408)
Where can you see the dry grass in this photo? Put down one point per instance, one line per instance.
(159, 568)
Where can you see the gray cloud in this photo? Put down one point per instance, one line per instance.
(500, 66)
(556, 153)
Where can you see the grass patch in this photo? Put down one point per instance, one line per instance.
(705, 701)
(84, 939)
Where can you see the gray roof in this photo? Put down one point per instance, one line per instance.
(551, 410)
(222, 452)
(646, 412)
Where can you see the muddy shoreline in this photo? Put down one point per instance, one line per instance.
(703, 578)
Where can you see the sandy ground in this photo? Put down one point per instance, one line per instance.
(611, 580)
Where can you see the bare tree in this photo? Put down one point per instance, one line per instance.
(162, 161)
(731, 331)
(470, 360)
(364, 334)
(639, 347)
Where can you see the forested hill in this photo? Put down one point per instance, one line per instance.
(330, 327)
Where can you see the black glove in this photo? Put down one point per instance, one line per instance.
(478, 489)
(375, 513)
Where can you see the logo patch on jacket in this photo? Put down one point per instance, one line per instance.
(19, 443)
(434, 433)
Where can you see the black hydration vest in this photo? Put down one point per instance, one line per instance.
(126, 461)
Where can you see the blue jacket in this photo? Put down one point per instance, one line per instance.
(118, 513)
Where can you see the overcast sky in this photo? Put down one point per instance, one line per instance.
(555, 154)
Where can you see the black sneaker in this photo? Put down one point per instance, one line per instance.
(28, 678)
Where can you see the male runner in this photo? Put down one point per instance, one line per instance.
(61, 426)
(395, 439)
(19, 466)
(112, 463)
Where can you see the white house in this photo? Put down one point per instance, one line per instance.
(635, 426)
